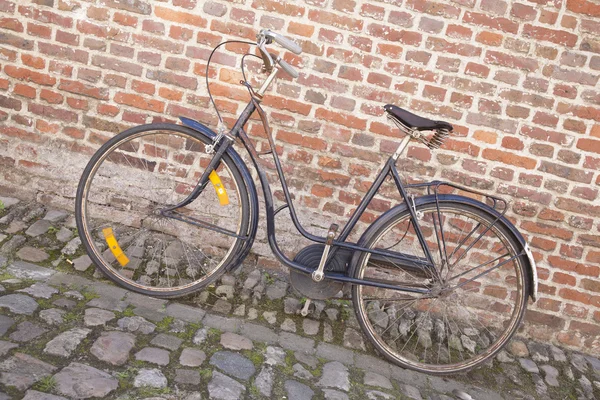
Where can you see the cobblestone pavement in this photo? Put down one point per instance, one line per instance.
(65, 332)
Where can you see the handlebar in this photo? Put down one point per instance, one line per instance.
(287, 68)
(282, 41)
(265, 37)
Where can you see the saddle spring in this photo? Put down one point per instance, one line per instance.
(437, 140)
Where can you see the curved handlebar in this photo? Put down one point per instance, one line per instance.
(287, 68)
(266, 36)
(282, 41)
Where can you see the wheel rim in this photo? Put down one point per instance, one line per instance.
(126, 189)
(458, 327)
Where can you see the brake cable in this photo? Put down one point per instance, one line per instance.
(207, 69)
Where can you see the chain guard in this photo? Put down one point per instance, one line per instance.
(310, 256)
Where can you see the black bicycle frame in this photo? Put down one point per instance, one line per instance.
(389, 168)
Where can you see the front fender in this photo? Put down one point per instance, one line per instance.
(393, 212)
(252, 193)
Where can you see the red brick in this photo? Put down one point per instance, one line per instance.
(579, 222)
(11, 23)
(569, 75)
(499, 23)
(434, 8)
(389, 50)
(372, 11)
(361, 43)
(576, 311)
(489, 38)
(545, 119)
(459, 32)
(589, 145)
(52, 113)
(24, 90)
(297, 28)
(50, 96)
(548, 230)
(301, 140)
(507, 60)
(543, 244)
(285, 8)
(394, 35)
(341, 119)
(125, 19)
(509, 158)
(321, 191)
(573, 266)
(382, 80)
(46, 16)
(550, 35)
(338, 21)
(564, 279)
(546, 135)
(443, 46)
(593, 257)
(569, 173)
(29, 76)
(242, 16)
(140, 102)
(589, 240)
(548, 304)
(32, 61)
(289, 105)
(38, 30)
(578, 207)
(83, 89)
(584, 7)
(523, 11)
(479, 70)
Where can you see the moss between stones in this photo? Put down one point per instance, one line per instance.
(47, 384)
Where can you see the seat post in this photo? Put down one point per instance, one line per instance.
(403, 144)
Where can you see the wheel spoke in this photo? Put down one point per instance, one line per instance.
(141, 172)
(469, 315)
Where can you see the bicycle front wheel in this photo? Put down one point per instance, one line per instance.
(120, 201)
(477, 290)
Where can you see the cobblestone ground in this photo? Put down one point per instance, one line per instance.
(65, 332)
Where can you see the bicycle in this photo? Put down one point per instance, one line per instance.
(439, 282)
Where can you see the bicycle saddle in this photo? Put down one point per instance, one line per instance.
(414, 121)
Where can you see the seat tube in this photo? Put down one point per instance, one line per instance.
(401, 147)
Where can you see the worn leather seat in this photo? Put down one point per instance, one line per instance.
(414, 121)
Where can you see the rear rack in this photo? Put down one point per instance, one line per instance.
(435, 187)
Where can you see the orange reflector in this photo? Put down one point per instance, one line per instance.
(219, 188)
(114, 247)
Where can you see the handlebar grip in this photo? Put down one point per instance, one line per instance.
(286, 43)
(288, 69)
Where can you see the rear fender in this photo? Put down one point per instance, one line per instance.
(393, 212)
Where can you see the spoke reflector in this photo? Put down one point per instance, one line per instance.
(113, 245)
(219, 188)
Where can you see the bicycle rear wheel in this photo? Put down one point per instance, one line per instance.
(479, 288)
(119, 200)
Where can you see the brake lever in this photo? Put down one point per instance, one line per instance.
(266, 57)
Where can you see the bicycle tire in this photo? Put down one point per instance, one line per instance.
(118, 207)
(446, 324)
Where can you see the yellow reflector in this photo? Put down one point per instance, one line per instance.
(113, 245)
(219, 188)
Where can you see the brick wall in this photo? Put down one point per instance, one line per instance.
(518, 79)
